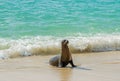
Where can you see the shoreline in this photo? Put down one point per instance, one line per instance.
(100, 66)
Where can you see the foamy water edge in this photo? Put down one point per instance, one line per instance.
(40, 45)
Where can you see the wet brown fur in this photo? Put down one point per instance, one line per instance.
(65, 52)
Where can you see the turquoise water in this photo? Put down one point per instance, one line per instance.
(27, 23)
(58, 18)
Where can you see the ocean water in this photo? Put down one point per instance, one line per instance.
(36, 27)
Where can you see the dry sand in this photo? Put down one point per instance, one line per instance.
(102, 66)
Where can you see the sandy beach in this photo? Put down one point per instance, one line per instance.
(101, 66)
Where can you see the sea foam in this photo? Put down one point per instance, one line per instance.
(28, 46)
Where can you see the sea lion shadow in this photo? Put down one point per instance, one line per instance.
(82, 68)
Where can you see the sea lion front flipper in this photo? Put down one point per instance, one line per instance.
(71, 62)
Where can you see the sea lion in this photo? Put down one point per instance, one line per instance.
(65, 58)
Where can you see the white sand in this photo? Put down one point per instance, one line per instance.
(103, 66)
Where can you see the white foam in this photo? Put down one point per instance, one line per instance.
(98, 43)
(51, 45)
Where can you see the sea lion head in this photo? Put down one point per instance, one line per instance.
(65, 42)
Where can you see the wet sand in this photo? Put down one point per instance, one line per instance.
(102, 66)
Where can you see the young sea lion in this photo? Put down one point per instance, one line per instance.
(65, 58)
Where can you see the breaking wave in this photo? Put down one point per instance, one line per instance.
(39, 45)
